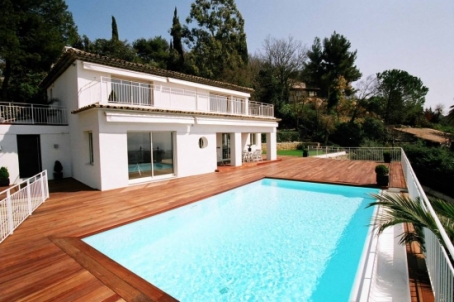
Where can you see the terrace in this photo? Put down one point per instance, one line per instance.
(118, 92)
(45, 260)
(32, 114)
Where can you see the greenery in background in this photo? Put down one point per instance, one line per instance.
(433, 166)
(32, 35)
(212, 44)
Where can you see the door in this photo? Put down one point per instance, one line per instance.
(29, 153)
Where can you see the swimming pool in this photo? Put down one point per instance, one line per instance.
(145, 167)
(271, 240)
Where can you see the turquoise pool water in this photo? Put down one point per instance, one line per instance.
(145, 167)
(271, 240)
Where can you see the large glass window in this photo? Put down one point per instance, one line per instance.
(150, 154)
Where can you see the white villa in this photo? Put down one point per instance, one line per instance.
(118, 123)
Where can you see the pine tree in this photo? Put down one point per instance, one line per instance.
(217, 41)
(176, 57)
(326, 64)
(114, 29)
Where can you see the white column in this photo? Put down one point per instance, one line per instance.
(258, 140)
(271, 146)
(236, 150)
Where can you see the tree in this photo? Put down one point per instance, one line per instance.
(329, 62)
(114, 29)
(403, 96)
(401, 209)
(32, 35)
(153, 52)
(282, 60)
(217, 41)
(176, 56)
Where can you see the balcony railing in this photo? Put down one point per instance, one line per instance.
(19, 201)
(21, 113)
(115, 91)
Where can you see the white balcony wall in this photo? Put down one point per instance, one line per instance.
(49, 137)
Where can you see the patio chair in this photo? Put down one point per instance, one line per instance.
(246, 156)
(257, 155)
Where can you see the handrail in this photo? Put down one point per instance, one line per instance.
(19, 201)
(24, 113)
(143, 94)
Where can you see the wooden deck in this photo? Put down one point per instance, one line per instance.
(45, 260)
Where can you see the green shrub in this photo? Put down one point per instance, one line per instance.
(381, 170)
(4, 174)
(287, 136)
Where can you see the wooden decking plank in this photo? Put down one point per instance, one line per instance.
(35, 267)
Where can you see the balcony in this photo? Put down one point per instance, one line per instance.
(122, 92)
(32, 114)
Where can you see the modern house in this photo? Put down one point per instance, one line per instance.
(114, 123)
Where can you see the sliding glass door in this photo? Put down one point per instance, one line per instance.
(150, 154)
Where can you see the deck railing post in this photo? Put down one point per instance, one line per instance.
(43, 193)
(29, 198)
(9, 210)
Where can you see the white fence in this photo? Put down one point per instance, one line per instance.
(122, 92)
(19, 201)
(21, 113)
(439, 266)
(358, 153)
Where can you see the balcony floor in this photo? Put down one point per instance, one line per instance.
(45, 260)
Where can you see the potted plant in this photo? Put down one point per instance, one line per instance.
(4, 177)
(382, 175)
(387, 156)
(305, 151)
(249, 149)
(58, 170)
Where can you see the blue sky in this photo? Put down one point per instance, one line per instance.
(413, 35)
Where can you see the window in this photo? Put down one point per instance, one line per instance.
(252, 139)
(203, 142)
(90, 148)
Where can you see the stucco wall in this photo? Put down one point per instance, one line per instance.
(50, 136)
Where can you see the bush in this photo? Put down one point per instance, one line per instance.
(4, 174)
(287, 136)
(347, 135)
(373, 129)
(434, 166)
(381, 170)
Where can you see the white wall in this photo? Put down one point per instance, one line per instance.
(49, 136)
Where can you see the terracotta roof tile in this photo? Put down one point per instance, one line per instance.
(71, 54)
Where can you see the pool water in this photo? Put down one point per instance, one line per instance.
(271, 240)
(145, 167)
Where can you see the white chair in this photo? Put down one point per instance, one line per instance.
(257, 155)
(246, 156)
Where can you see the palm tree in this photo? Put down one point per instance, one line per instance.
(402, 209)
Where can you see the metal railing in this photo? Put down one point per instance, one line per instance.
(116, 91)
(357, 153)
(21, 113)
(19, 201)
(439, 266)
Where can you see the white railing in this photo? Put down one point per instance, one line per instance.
(19, 201)
(122, 92)
(439, 266)
(21, 113)
(357, 153)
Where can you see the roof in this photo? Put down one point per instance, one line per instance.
(71, 54)
(427, 134)
(157, 110)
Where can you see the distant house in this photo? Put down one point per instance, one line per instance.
(300, 91)
(118, 123)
